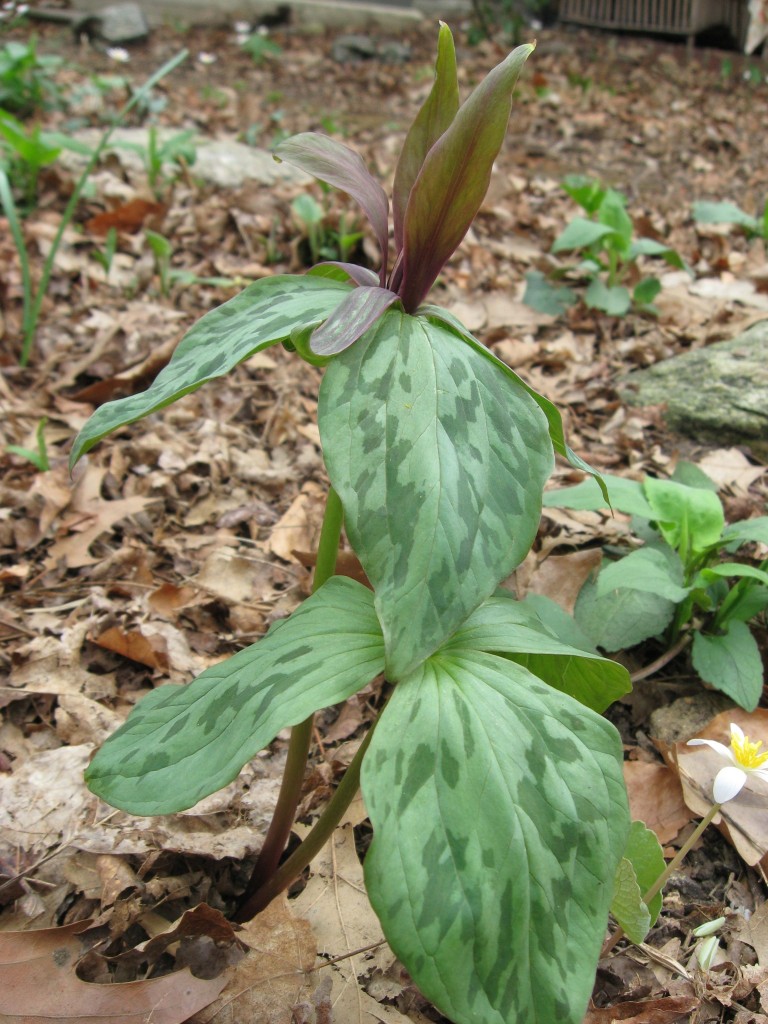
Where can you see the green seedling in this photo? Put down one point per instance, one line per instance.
(705, 212)
(163, 253)
(105, 256)
(33, 296)
(26, 78)
(261, 48)
(610, 257)
(38, 455)
(493, 783)
(323, 241)
(163, 159)
(682, 583)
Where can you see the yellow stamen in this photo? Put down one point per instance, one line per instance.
(748, 754)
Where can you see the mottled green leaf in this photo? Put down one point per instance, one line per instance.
(181, 743)
(499, 815)
(338, 165)
(454, 179)
(642, 863)
(647, 569)
(731, 663)
(502, 625)
(263, 314)
(434, 117)
(439, 460)
(621, 618)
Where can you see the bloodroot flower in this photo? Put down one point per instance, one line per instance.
(746, 758)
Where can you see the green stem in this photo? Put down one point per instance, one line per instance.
(315, 841)
(280, 827)
(673, 865)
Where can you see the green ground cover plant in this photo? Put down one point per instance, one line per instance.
(493, 783)
(682, 582)
(27, 82)
(610, 256)
(727, 212)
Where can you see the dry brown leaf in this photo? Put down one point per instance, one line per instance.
(299, 527)
(561, 577)
(666, 1010)
(38, 985)
(128, 217)
(656, 798)
(729, 467)
(272, 977)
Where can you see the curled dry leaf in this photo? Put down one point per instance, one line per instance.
(39, 985)
(655, 798)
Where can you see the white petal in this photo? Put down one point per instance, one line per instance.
(721, 749)
(761, 773)
(736, 732)
(728, 783)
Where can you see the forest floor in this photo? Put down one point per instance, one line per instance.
(180, 539)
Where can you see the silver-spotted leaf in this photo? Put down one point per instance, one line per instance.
(499, 815)
(181, 743)
(262, 314)
(440, 461)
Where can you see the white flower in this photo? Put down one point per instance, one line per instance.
(206, 58)
(119, 54)
(746, 758)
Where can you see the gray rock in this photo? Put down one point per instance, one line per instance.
(122, 23)
(717, 393)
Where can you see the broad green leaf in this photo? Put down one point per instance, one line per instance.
(557, 435)
(434, 117)
(705, 212)
(181, 743)
(587, 192)
(621, 618)
(558, 622)
(339, 166)
(356, 312)
(647, 569)
(542, 295)
(690, 518)
(644, 858)
(263, 314)
(615, 300)
(627, 905)
(731, 663)
(504, 626)
(499, 814)
(691, 475)
(454, 179)
(439, 460)
(580, 234)
(626, 496)
(747, 531)
(646, 291)
(613, 212)
(647, 247)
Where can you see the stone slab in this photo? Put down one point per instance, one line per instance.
(718, 393)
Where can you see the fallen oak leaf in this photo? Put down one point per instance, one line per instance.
(38, 985)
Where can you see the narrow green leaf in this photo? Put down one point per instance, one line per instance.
(615, 300)
(435, 116)
(339, 166)
(728, 569)
(454, 179)
(626, 496)
(648, 569)
(691, 514)
(499, 815)
(747, 531)
(613, 212)
(502, 625)
(439, 460)
(263, 314)
(705, 212)
(356, 312)
(587, 192)
(731, 663)
(621, 618)
(181, 743)
(545, 297)
(580, 234)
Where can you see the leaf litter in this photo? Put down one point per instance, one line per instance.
(181, 540)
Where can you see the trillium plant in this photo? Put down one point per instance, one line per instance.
(493, 784)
